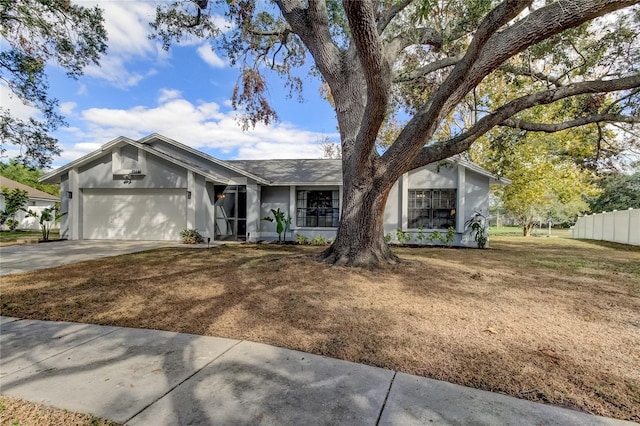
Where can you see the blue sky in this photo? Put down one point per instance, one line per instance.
(183, 94)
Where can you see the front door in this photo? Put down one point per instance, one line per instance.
(231, 213)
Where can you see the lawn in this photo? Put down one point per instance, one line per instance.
(17, 412)
(11, 237)
(544, 319)
(516, 231)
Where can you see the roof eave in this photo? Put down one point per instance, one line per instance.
(207, 157)
(48, 178)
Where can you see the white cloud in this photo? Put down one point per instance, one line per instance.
(82, 90)
(203, 126)
(10, 101)
(128, 30)
(168, 94)
(210, 57)
(67, 107)
(127, 25)
(114, 70)
(273, 150)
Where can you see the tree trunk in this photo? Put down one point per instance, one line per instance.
(360, 240)
(526, 229)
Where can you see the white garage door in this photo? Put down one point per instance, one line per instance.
(134, 214)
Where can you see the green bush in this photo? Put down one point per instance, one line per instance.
(191, 236)
(319, 241)
(302, 239)
(445, 239)
(476, 226)
(403, 237)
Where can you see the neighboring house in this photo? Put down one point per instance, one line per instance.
(38, 201)
(155, 187)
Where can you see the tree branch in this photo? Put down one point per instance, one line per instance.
(377, 72)
(424, 123)
(387, 16)
(425, 36)
(444, 149)
(537, 26)
(427, 69)
(279, 34)
(312, 26)
(621, 99)
(517, 123)
(528, 72)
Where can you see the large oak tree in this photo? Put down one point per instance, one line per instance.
(34, 34)
(427, 59)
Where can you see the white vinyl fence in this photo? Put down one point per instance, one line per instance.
(617, 226)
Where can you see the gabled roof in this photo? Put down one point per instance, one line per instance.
(226, 164)
(171, 157)
(34, 194)
(265, 172)
(294, 172)
(458, 159)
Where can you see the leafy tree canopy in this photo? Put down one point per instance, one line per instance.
(546, 182)
(14, 201)
(38, 32)
(427, 67)
(619, 192)
(27, 175)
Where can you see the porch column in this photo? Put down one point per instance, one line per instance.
(75, 206)
(253, 211)
(65, 207)
(191, 200)
(460, 201)
(404, 210)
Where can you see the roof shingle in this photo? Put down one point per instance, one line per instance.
(33, 193)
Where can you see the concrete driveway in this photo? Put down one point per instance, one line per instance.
(28, 257)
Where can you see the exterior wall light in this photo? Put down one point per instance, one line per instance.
(69, 194)
(188, 195)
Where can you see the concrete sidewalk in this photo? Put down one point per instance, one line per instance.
(146, 377)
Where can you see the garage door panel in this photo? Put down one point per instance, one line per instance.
(158, 214)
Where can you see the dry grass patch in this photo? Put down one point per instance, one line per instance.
(551, 320)
(17, 412)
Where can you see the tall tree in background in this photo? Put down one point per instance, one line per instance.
(619, 192)
(37, 33)
(428, 57)
(546, 184)
(27, 175)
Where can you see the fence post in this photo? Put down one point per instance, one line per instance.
(629, 227)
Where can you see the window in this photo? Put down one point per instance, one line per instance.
(432, 208)
(318, 209)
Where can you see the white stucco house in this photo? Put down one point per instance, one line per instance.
(38, 201)
(155, 187)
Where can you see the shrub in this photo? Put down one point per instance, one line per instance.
(445, 239)
(14, 201)
(302, 239)
(191, 236)
(319, 241)
(435, 236)
(282, 223)
(476, 226)
(47, 218)
(12, 224)
(403, 237)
